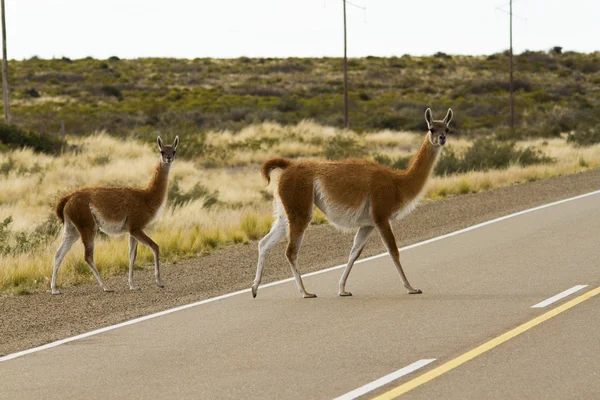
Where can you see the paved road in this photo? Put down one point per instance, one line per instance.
(477, 286)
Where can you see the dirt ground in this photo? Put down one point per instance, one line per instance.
(32, 320)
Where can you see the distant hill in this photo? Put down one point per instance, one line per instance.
(555, 92)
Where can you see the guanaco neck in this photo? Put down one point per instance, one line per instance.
(420, 168)
(157, 188)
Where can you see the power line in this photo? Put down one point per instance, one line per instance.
(513, 14)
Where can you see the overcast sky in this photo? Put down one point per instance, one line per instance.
(300, 28)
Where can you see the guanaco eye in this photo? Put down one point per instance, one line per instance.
(432, 130)
(174, 153)
(447, 130)
(162, 152)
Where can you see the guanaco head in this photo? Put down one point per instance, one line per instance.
(167, 153)
(438, 129)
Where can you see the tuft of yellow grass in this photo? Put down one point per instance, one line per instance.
(28, 192)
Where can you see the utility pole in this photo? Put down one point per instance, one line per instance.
(346, 122)
(512, 102)
(5, 68)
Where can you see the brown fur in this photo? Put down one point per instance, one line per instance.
(114, 210)
(60, 207)
(137, 206)
(353, 194)
(270, 165)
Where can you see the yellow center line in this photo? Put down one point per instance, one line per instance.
(458, 361)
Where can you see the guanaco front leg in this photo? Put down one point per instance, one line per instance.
(385, 230)
(146, 241)
(363, 234)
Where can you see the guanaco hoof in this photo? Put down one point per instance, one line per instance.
(345, 294)
(310, 296)
(416, 291)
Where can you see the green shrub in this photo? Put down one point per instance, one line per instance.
(177, 197)
(340, 147)
(487, 153)
(24, 242)
(448, 163)
(287, 104)
(14, 137)
(401, 162)
(585, 137)
(382, 159)
(32, 93)
(113, 91)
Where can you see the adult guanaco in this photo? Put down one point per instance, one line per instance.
(115, 210)
(353, 194)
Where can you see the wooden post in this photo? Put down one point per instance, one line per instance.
(5, 69)
(346, 122)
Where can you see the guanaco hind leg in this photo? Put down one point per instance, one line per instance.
(87, 237)
(363, 234)
(133, 243)
(70, 236)
(296, 235)
(277, 232)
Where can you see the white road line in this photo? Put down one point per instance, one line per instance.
(559, 296)
(199, 303)
(385, 380)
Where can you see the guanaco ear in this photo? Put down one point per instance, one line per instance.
(160, 143)
(449, 116)
(175, 143)
(428, 117)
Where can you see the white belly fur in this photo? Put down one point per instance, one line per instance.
(119, 227)
(108, 226)
(351, 219)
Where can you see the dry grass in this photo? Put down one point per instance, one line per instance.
(33, 182)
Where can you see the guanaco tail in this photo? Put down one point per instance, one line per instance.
(353, 194)
(114, 210)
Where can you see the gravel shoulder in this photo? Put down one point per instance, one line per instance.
(32, 320)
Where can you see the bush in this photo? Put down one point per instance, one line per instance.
(340, 147)
(113, 91)
(14, 137)
(288, 104)
(114, 58)
(32, 93)
(178, 198)
(23, 242)
(487, 153)
(448, 163)
(585, 137)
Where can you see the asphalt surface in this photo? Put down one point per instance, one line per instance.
(477, 285)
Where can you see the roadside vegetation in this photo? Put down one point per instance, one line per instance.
(216, 194)
(556, 92)
(233, 114)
